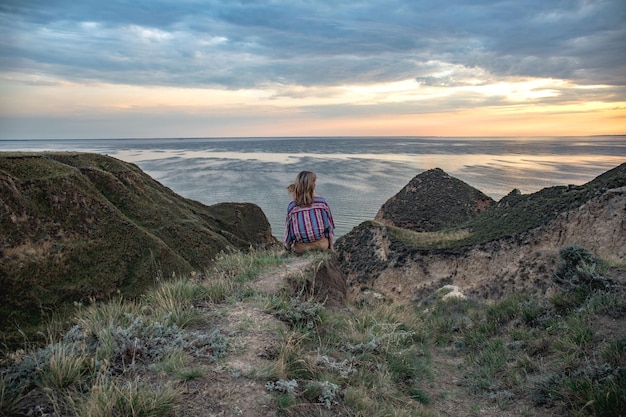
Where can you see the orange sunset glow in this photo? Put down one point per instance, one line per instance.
(358, 70)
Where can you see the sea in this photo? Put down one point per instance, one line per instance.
(355, 174)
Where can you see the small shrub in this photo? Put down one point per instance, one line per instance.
(581, 280)
(381, 343)
(298, 313)
(98, 317)
(188, 374)
(575, 333)
(284, 402)
(608, 396)
(545, 391)
(480, 335)
(580, 330)
(501, 397)
(219, 288)
(284, 391)
(564, 302)
(612, 303)
(344, 368)
(139, 340)
(525, 364)
(324, 392)
(580, 269)
(359, 398)
(447, 319)
(27, 371)
(282, 386)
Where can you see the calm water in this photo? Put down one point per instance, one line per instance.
(356, 175)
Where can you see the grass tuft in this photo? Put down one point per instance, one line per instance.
(65, 366)
(174, 300)
(520, 353)
(113, 398)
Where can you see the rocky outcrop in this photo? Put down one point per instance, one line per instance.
(387, 261)
(431, 201)
(78, 226)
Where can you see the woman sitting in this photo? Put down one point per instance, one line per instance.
(309, 222)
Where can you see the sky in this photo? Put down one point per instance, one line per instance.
(234, 68)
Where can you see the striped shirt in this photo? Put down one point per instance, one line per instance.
(308, 224)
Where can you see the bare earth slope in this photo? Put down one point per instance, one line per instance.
(406, 265)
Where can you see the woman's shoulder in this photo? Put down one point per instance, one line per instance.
(319, 199)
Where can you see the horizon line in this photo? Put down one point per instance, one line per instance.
(315, 137)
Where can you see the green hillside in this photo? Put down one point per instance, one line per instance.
(86, 226)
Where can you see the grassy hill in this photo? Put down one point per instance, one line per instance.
(514, 214)
(249, 334)
(517, 212)
(87, 226)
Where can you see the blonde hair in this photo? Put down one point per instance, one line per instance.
(303, 189)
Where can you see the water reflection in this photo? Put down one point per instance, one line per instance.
(356, 175)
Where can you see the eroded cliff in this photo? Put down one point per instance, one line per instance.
(518, 252)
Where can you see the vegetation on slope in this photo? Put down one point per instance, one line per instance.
(517, 356)
(76, 226)
(515, 213)
(431, 201)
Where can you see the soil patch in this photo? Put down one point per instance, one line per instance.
(231, 388)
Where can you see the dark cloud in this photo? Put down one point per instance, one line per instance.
(236, 44)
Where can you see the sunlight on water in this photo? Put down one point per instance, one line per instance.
(356, 175)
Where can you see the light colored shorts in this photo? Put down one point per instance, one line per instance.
(301, 247)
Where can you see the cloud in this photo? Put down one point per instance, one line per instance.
(248, 64)
(235, 44)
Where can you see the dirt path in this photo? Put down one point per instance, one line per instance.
(254, 338)
(270, 282)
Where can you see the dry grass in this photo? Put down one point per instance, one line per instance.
(428, 239)
(513, 357)
(29, 249)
